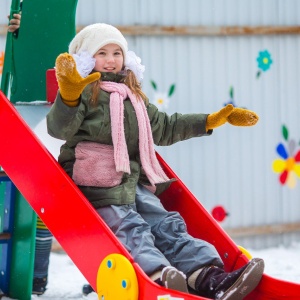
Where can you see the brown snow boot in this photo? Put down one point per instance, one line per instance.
(172, 278)
(213, 282)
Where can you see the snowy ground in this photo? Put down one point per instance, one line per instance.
(65, 280)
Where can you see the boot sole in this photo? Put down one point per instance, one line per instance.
(175, 281)
(246, 283)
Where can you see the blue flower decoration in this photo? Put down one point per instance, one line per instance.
(264, 60)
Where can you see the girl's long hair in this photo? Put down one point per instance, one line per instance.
(130, 80)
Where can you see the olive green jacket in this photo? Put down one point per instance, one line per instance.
(88, 122)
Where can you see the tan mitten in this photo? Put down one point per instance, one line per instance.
(242, 117)
(70, 83)
(219, 118)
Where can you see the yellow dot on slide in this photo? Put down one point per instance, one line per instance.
(116, 279)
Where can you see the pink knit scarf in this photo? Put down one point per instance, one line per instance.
(119, 92)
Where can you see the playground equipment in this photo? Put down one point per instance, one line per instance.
(46, 30)
(83, 234)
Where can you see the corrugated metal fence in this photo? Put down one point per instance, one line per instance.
(207, 49)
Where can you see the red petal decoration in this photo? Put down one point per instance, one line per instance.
(283, 177)
(297, 156)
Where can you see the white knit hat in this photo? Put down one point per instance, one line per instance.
(95, 36)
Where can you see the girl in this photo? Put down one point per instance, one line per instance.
(110, 131)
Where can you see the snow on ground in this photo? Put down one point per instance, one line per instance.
(65, 280)
(281, 262)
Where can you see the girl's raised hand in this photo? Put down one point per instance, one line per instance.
(70, 83)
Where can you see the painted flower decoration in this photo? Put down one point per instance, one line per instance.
(162, 100)
(219, 213)
(264, 61)
(289, 164)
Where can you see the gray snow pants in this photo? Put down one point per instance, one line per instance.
(155, 237)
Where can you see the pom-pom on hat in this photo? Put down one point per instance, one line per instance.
(95, 36)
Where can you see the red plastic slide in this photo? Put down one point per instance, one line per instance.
(83, 234)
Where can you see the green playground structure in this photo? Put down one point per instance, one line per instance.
(46, 29)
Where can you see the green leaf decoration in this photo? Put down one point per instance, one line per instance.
(171, 90)
(258, 74)
(153, 84)
(285, 132)
(231, 92)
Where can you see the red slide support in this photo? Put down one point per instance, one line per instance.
(83, 234)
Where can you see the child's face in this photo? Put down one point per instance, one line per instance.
(109, 58)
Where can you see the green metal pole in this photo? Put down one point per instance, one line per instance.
(23, 250)
(8, 67)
